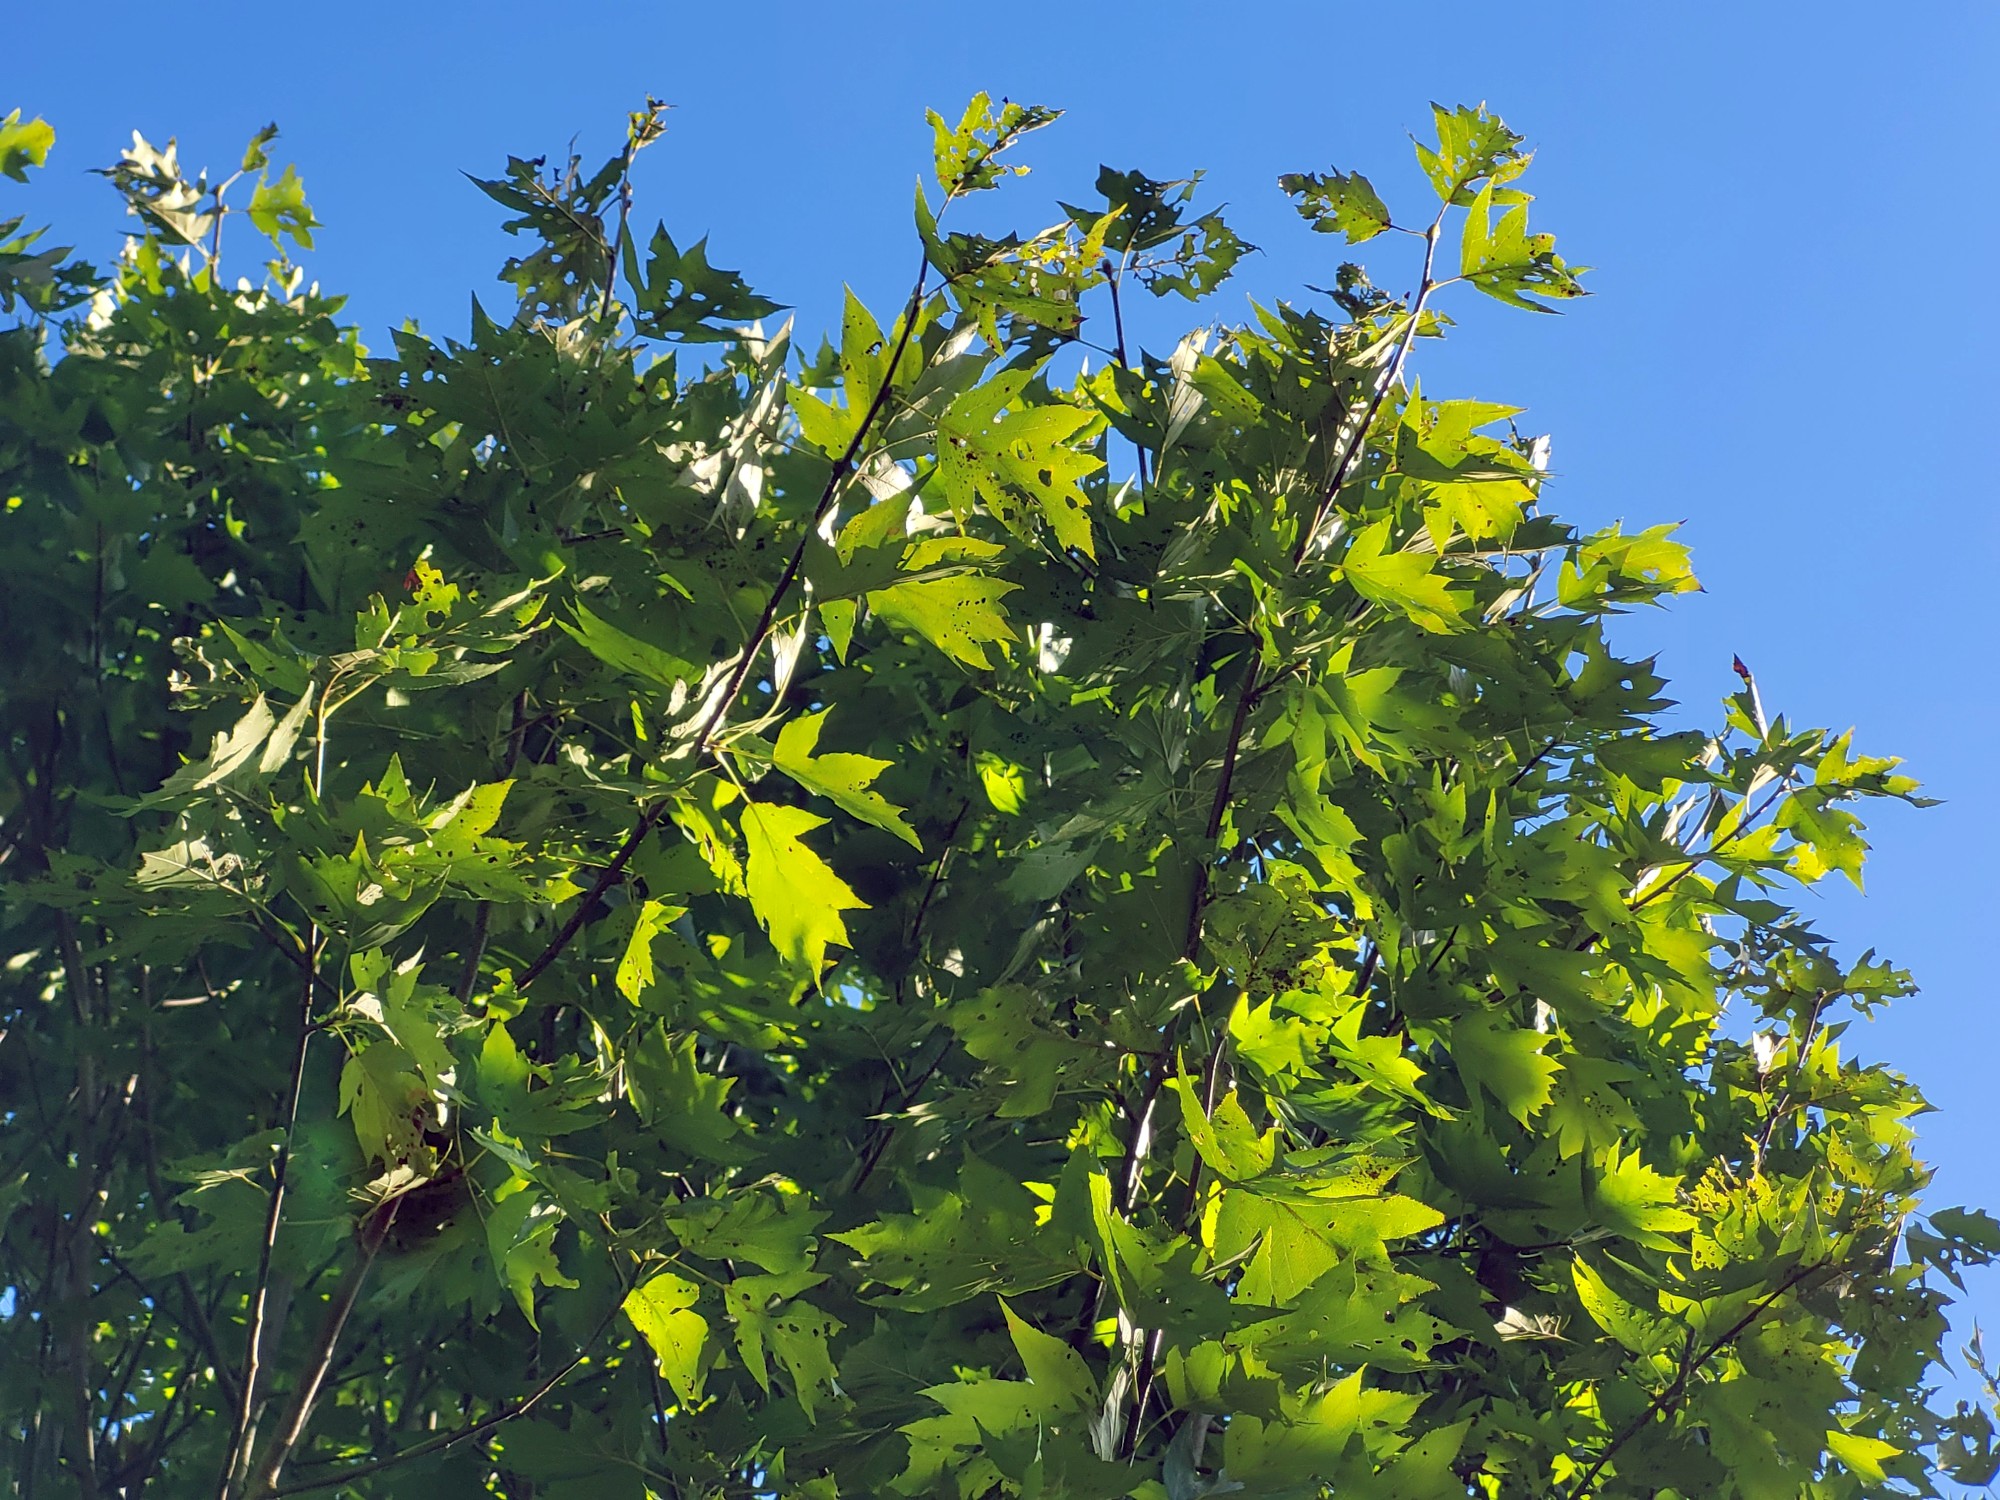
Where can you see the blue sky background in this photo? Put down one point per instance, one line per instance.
(1791, 348)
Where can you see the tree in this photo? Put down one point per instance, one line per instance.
(622, 908)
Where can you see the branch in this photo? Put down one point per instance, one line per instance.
(1692, 862)
(759, 634)
(1358, 438)
(273, 1217)
(1218, 807)
(1116, 277)
(1784, 1100)
(464, 1434)
(375, 1229)
(1134, 1163)
(195, 1322)
(1670, 1399)
(937, 874)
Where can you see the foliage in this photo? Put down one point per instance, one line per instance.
(617, 908)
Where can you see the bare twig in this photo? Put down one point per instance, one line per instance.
(1670, 1399)
(725, 699)
(464, 1434)
(1784, 1100)
(375, 1229)
(274, 1212)
(1357, 439)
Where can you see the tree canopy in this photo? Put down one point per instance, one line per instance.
(628, 907)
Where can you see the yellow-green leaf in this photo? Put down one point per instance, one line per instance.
(663, 1312)
(794, 892)
(635, 969)
(24, 144)
(842, 778)
(1862, 1455)
(1506, 1060)
(960, 615)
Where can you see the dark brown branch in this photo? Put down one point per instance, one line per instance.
(1218, 808)
(1357, 440)
(1225, 785)
(463, 1434)
(273, 1217)
(1535, 760)
(1115, 276)
(725, 699)
(1670, 1399)
(1784, 1100)
(1694, 862)
(375, 1229)
(482, 925)
(1134, 1163)
(937, 873)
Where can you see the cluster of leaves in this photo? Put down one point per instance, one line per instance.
(587, 921)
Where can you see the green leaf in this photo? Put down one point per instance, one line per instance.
(681, 1102)
(967, 155)
(993, 449)
(681, 296)
(1472, 145)
(844, 779)
(251, 751)
(1637, 1331)
(626, 653)
(1226, 1140)
(959, 615)
(410, 1014)
(797, 897)
(1505, 1061)
(1860, 1454)
(774, 1231)
(635, 969)
(827, 427)
(279, 209)
(752, 1301)
(520, 1236)
(1061, 1378)
(838, 616)
(24, 144)
(1400, 581)
(799, 1334)
(1505, 261)
(1632, 1198)
(1337, 203)
(662, 1309)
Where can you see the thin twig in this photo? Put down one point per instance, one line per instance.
(725, 699)
(273, 1218)
(1115, 278)
(320, 1360)
(937, 872)
(1784, 1100)
(1358, 438)
(1669, 1400)
(463, 1434)
(1692, 862)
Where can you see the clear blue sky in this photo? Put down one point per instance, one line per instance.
(1791, 348)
